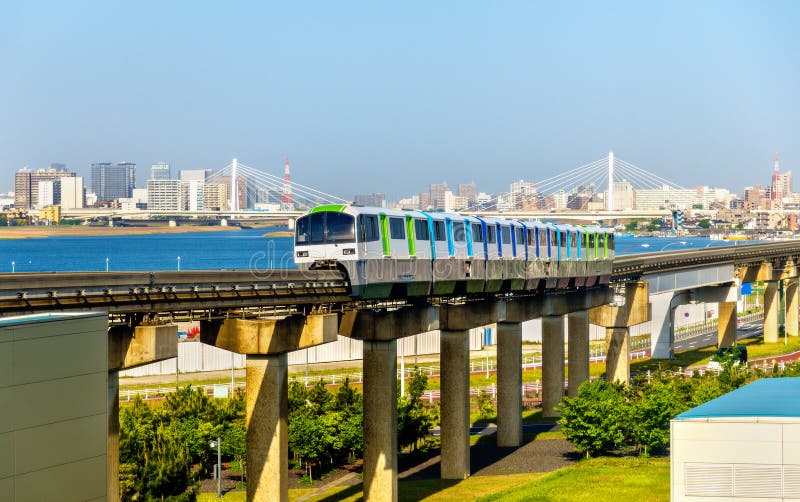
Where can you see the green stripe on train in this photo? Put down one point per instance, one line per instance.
(330, 208)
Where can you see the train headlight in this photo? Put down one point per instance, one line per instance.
(348, 251)
(302, 254)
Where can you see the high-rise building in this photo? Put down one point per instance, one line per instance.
(26, 185)
(437, 191)
(111, 180)
(468, 191)
(193, 195)
(160, 171)
(49, 193)
(215, 196)
(72, 193)
(372, 200)
(164, 195)
(195, 174)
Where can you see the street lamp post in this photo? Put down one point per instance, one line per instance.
(179, 264)
(106, 263)
(13, 265)
(218, 468)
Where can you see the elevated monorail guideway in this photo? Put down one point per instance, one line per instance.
(155, 292)
(636, 265)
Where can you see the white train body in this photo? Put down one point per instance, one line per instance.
(388, 253)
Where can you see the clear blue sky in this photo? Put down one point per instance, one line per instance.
(368, 96)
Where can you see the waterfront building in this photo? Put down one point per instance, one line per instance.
(164, 195)
(26, 185)
(193, 194)
(50, 214)
(49, 193)
(160, 171)
(665, 197)
(468, 191)
(215, 196)
(72, 193)
(111, 180)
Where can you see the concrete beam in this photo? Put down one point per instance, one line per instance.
(386, 325)
(129, 347)
(112, 475)
(784, 271)
(636, 309)
(755, 272)
(471, 315)
(525, 309)
(270, 336)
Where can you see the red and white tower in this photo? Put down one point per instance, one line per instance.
(287, 201)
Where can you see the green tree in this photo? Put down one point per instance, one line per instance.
(298, 398)
(234, 444)
(704, 224)
(594, 420)
(319, 397)
(414, 419)
(305, 435)
(653, 406)
(486, 407)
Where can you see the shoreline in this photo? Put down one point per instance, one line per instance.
(33, 232)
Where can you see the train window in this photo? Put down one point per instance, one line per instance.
(397, 228)
(302, 231)
(520, 237)
(491, 234)
(573, 239)
(339, 227)
(611, 242)
(369, 228)
(590, 240)
(459, 232)
(506, 235)
(542, 238)
(438, 231)
(531, 237)
(477, 232)
(421, 230)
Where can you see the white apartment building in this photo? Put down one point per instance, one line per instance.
(164, 195)
(72, 193)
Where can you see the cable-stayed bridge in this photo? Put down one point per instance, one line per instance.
(601, 181)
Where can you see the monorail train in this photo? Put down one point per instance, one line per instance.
(389, 253)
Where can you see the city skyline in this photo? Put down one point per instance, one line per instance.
(356, 93)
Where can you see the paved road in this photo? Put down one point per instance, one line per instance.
(745, 330)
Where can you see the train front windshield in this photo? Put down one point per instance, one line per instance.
(325, 228)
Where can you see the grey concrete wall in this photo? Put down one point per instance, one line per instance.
(53, 409)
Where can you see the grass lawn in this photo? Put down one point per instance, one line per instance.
(596, 480)
(241, 496)
(593, 480)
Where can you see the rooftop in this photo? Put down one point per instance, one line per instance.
(767, 397)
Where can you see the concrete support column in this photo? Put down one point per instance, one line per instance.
(455, 403)
(662, 344)
(618, 355)
(509, 384)
(552, 364)
(726, 329)
(790, 291)
(578, 350)
(267, 421)
(113, 437)
(771, 311)
(380, 420)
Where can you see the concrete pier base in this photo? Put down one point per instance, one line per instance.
(790, 291)
(509, 384)
(771, 311)
(726, 329)
(662, 344)
(618, 355)
(267, 422)
(380, 420)
(113, 437)
(552, 364)
(455, 404)
(577, 350)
